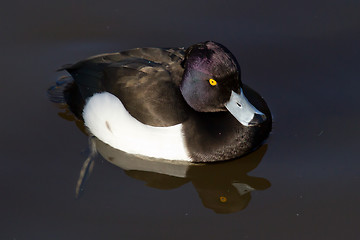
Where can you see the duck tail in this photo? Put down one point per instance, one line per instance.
(56, 92)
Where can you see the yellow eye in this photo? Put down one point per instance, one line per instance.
(212, 82)
(223, 199)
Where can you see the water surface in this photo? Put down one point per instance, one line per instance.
(303, 58)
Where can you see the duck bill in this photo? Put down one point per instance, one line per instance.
(243, 110)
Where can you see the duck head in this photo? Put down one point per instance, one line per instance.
(211, 83)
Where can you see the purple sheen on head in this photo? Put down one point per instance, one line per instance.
(204, 61)
(211, 58)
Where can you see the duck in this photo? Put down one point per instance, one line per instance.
(181, 104)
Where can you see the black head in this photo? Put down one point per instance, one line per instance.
(211, 74)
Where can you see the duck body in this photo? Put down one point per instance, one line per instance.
(171, 103)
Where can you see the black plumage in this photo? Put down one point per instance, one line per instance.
(156, 86)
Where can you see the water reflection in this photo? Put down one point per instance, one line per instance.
(223, 187)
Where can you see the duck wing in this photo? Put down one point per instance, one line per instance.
(146, 80)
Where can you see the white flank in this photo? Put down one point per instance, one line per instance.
(107, 118)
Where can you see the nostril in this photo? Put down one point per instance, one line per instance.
(239, 104)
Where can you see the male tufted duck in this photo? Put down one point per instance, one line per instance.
(171, 103)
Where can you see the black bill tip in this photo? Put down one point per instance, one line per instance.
(257, 119)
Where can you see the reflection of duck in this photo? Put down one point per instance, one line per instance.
(169, 103)
(223, 187)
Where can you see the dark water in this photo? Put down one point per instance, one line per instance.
(304, 58)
